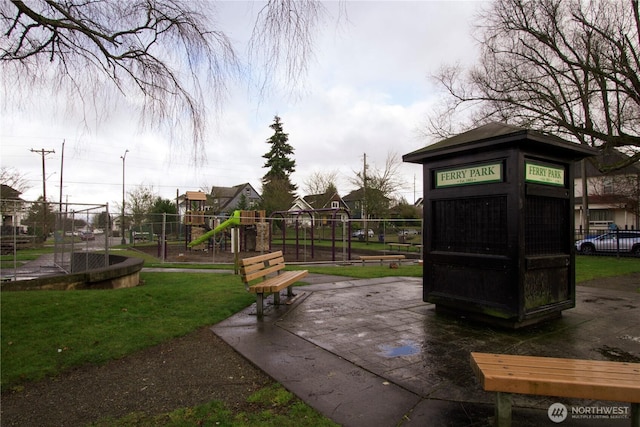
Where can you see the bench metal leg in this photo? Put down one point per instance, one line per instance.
(503, 410)
(290, 292)
(276, 298)
(259, 308)
(635, 415)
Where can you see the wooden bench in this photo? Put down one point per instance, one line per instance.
(381, 258)
(406, 246)
(268, 269)
(548, 376)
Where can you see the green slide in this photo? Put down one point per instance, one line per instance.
(234, 219)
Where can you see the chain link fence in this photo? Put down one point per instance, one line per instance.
(80, 237)
(77, 235)
(304, 237)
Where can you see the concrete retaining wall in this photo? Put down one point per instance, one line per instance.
(122, 272)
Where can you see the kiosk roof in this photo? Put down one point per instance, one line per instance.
(495, 135)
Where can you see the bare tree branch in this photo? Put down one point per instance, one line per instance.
(283, 40)
(319, 181)
(566, 67)
(164, 57)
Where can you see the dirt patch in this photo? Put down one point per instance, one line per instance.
(183, 372)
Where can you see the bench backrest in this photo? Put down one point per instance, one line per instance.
(261, 266)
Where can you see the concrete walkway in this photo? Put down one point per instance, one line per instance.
(371, 353)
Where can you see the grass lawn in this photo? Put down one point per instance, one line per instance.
(45, 333)
(594, 267)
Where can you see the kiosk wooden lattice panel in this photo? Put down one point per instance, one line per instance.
(546, 226)
(471, 225)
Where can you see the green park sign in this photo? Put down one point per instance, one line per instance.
(544, 174)
(480, 174)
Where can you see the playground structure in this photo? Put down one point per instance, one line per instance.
(198, 233)
(296, 233)
(255, 231)
(250, 230)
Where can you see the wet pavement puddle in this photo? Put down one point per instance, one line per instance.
(406, 348)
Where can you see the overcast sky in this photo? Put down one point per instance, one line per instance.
(367, 92)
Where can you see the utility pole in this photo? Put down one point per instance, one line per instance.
(414, 189)
(61, 171)
(586, 217)
(364, 198)
(43, 153)
(123, 241)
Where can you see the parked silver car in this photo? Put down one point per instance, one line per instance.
(623, 241)
(360, 234)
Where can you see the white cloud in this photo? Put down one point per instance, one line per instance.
(366, 92)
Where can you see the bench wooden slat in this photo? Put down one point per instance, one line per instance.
(544, 386)
(589, 376)
(261, 258)
(537, 361)
(256, 274)
(279, 282)
(265, 263)
(582, 379)
(262, 264)
(381, 258)
(377, 257)
(549, 376)
(555, 365)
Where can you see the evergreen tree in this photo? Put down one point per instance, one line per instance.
(277, 188)
(276, 196)
(102, 221)
(40, 219)
(159, 207)
(243, 203)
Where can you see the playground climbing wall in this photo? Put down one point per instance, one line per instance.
(262, 238)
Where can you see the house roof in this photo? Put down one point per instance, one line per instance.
(228, 192)
(493, 135)
(320, 201)
(9, 193)
(355, 195)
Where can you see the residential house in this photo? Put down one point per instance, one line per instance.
(355, 203)
(317, 207)
(377, 204)
(228, 199)
(613, 198)
(13, 209)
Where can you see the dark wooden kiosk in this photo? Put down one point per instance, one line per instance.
(498, 237)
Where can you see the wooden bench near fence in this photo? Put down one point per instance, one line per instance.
(400, 246)
(381, 258)
(549, 376)
(268, 269)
